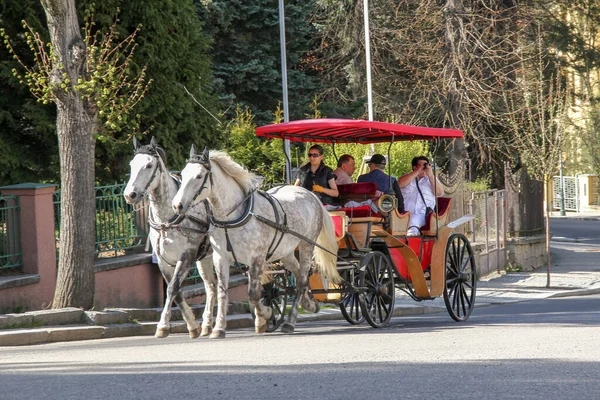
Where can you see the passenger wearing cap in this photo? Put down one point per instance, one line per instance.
(377, 164)
(317, 177)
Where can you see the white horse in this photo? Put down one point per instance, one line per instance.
(178, 241)
(251, 228)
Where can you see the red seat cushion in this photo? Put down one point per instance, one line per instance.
(366, 188)
(338, 224)
(358, 212)
(443, 203)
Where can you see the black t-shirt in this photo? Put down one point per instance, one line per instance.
(321, 177)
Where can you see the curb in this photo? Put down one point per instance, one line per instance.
(76, 332)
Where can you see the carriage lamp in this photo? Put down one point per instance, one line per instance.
(386, 203)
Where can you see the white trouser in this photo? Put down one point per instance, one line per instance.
(416, 221)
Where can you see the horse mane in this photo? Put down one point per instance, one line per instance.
(248, 180)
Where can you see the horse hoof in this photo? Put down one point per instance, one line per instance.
(206, 330)
(162, 333)
(287, 328)
(317, 308)
(217, 335)
(194, 333)
(260, 329)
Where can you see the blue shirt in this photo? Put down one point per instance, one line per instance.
(380, 178)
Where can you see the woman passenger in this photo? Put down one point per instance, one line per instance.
(317, 177)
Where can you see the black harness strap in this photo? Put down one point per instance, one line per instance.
(274, 203)
(285, 229)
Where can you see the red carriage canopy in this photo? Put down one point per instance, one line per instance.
(329, 130)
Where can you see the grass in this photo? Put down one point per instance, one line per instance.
(514, 268)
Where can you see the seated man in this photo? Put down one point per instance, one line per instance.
(418, 188)
(384, 183)
(345, 168)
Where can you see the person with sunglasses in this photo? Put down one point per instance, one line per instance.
(317, 177)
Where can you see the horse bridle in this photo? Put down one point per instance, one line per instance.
(156, 169)
(205, 164)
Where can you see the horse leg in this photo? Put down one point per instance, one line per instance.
(301, 287)
(222, 270)
(163, 328)
(182, 270)
(262, 312)
(205, 267)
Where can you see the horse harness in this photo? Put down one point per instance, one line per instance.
(280, 223)
(175, 222)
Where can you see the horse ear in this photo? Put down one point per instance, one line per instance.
(136, 144)
(205, 154)
(192, 151)
(153, 141)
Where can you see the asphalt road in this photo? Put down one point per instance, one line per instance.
(583, 231)
(546, 349)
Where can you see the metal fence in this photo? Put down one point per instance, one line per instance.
(11, 256)
(489, 225)
(120, 227)
(570, 192)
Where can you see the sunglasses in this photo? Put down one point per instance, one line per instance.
(314, 155)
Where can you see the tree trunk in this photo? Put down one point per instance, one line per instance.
(546, 193)
(75, 281)
(76, 123)
(455, 39)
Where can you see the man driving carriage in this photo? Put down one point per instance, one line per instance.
(418, 188)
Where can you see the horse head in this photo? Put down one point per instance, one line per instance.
(196, 181)
(147, 163)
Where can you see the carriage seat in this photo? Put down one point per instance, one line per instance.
(442, 216)
(358, 192)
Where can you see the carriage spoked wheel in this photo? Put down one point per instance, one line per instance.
(274, 295)
(461, 278)
(377, 276)
(350, 305)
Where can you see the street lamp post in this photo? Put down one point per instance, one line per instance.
(286, 111)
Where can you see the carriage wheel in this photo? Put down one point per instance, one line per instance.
(461, 278)
(377, 303)
(350, 307)
(274, 295)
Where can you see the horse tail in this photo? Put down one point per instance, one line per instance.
(326, 261)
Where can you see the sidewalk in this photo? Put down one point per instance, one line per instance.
(575, 271)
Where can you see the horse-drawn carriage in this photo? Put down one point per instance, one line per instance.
(358, 258)
(375, 255)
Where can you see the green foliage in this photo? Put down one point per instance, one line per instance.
(247, 54)
(176, 53)
(173, 49)
(27, 130)
(400, 154)
(479, 185)
(263, 157)
(106, 83)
